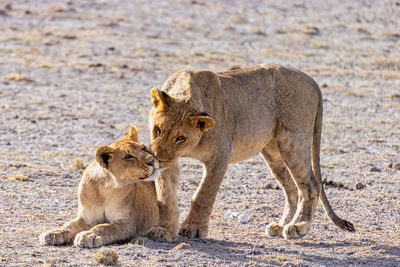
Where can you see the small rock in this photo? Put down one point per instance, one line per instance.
(232, 214)
(396, 166)
(359, 185)
(375, 169)
(8, 7)
(242, 218)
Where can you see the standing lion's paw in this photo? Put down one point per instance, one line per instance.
(55, 237)
(273, 229)
(193, 230)
(160, 234)
(88, 239)
(295, 231)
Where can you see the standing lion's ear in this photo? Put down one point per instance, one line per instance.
(104, 155)
(132, 134)
(159, 99)
(204, 122)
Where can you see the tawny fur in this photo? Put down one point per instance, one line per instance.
(115, 200)
(222, 118)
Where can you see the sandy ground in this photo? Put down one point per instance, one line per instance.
(75, 74)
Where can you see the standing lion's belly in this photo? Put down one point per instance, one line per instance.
(244, 149)
(250, 136)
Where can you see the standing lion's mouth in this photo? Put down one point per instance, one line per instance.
(166, 164)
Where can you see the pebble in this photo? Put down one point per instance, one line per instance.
(359, 185)
(241, 217)
(396, 165)
(375, 169)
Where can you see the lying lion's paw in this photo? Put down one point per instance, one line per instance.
(55, 237)
(160, 234)
(88, 239)
(274, 229)
(295, 231)
(193, 230)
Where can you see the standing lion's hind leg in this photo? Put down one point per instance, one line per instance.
(296, 154)
(278, 168)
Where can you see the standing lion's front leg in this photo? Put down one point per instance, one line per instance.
(167, 185)
(196, 223)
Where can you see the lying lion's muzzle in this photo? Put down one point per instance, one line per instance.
(156, 171)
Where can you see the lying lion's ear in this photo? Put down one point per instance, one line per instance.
(159, 99)
(203, 122)
(132, 134)
(103, 155)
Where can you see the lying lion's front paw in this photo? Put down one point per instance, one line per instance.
(193, 230)
(160, 234)
(273, 229)
(55, 237)
(88, 239)
(295, 231)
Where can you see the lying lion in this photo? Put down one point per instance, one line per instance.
(227, 117)
(117, 199)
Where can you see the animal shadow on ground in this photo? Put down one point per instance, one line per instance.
(354, 248)
(217, 249)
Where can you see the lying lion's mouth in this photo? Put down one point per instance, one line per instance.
(155, 172)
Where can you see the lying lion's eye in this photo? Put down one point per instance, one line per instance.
(157, 131)
(180, 139)
(129, 157)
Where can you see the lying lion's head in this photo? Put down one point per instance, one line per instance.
(176, 127)
(128, 160)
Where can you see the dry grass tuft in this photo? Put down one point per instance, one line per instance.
(182, 245)
(286, 30)
(384, 63)
(78, 164)
(275, 259)
(238, 19)
(311, 30)
(394, 96)
(257, 31)
(106, 256)
(272, 52)
(20, 177)
(391, 75)
(17, 77)
(319, 45)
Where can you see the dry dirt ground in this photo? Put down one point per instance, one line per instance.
(75, 74)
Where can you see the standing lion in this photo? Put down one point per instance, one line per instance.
(226, 117)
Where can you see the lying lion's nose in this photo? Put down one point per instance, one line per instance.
(151, 163)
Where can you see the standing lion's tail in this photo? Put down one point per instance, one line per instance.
(316, 145)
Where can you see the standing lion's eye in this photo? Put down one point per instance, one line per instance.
(180, 139)
(156, 131)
